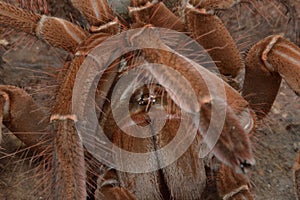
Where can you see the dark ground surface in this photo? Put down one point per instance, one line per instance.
(276, 140)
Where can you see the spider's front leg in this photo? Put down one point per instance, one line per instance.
(267, 62)
(209, 31)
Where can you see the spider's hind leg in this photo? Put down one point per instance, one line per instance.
(267, 62)
(96, 12)
(22, 116)
(55, 31)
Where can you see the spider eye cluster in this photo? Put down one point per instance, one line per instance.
(145, 97)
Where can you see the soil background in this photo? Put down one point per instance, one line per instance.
(31, 64)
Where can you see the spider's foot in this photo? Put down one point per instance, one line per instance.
(233, 186)
(109, 188)
(268, 48)
(114, 193)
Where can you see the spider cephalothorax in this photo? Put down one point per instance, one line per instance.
(74, 169)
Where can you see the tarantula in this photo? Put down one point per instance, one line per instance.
(75, 172)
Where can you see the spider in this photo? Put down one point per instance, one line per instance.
(73, 171)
